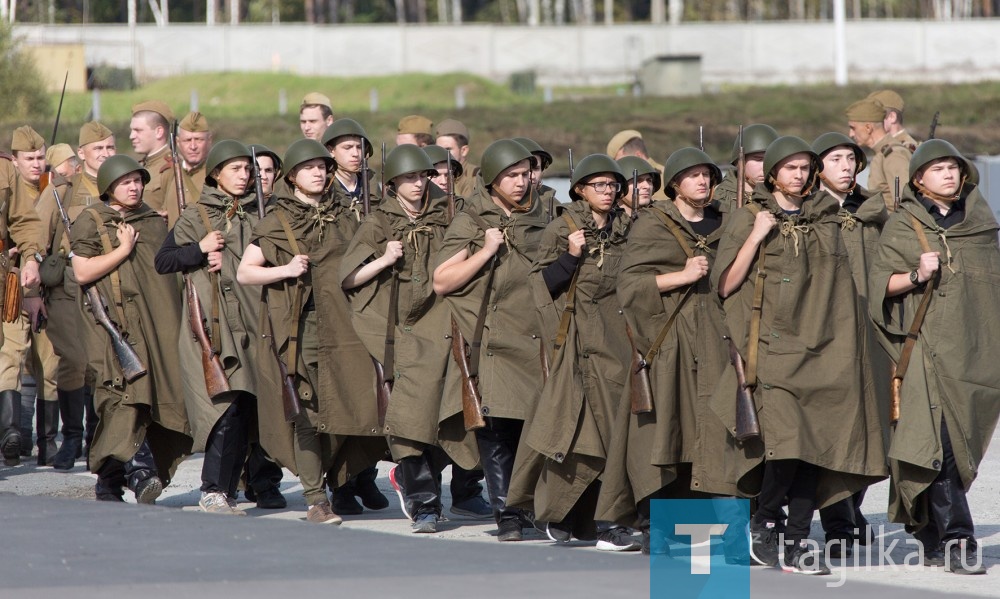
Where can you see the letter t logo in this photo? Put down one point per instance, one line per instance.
(701, 548)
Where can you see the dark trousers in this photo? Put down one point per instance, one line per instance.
(795, 480)
(420, 481)
(114, 474)
(262, 473)
(842, 518)
(465, 484)
(226, 448)
(497, 446)
(950, 517)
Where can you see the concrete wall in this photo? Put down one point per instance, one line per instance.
(766, 53)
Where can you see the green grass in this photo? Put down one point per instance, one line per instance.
(245, 106)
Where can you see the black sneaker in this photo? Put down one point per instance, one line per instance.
(371, 497)
(934, 558)
(509, 530)
(617, 539)
(965, 561)
(148, 490)
(474, 507)
(799, 559)
(840, 547)
(344, 502)
(764, 543)
(558, 532)
(270, 499)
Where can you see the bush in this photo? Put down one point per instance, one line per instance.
(23, 90)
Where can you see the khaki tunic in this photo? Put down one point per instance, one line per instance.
(19, 222)
(681, 429)
(160, 166)
(194, 180)
(565, 442)
(813, 397)
(465, 185)
(151, 407)
(419, 409)
(341, 400)
(726, 193)
(952, 373)
(890, 159)
(238, 308)
(907, 140)
(509, 370)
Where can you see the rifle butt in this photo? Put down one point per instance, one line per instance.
(290, 403)
(129, 362)
(640, 387)
(747, 423)
(216, 381)
(897, 385)
(472, 405)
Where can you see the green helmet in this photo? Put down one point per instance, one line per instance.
(303, 150)
(342, 127)
(630, 164)
(404, 159)
(596, 164)
(828, 141)
(683, 159)
(536, 150)
(226, 149)
(437, 155)
(933, 149)
(500, 155)
(756, 138)
(116, 167)
(782, 148)
(262, 150)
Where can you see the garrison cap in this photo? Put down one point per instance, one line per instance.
(194, 122)
(26, 139)
(58, 154)
(452, 127)
(415, 123)
(317, 99)
(865, 111)
(888, 99)
(620, 139)
(92, 132)
(156, 106)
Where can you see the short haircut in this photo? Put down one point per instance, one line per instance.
(461, 139)
(898, 113)
(154, 119)
(325, 110)
(424, 139)
(634, 147)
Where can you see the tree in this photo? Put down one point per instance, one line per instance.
(24, 93)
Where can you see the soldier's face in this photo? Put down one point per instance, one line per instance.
(694, 183)
(536, 172)
(754, 169)
(30, 165)
(267, 173)
(310, 176)
(459, 153)
(347, 153)
(599, 201)
(313, 123)
(441, 178)
(645, 187)
(66, 168)
(410, 186)
(513, 181)
(941, 176)
(142, 135)
(94, 154)
(861, 133)
(839, 167)
(193, 146)
(126, 191)
(407, 138)
(234, 176)
(792, 173)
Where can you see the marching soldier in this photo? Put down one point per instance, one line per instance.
(315, 115)
(890, 158)
(149, 132)
(194, 142)
(143, 431)
(647, 184)
(893, 121)
(69, 328)
(560, 463)
(630, 143)
(540, 160)
(755, 140)
(792, 312)
(296, 253)
(453, 136)
(484, 261)
(933, 290)
(415, 129)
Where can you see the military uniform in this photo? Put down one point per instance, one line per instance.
(890, 159)
(907, 140)
(160, 193)
(465, 184)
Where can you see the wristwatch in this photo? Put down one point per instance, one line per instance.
(914, 277)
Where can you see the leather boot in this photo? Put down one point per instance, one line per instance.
(110, 481)
(92, 419)
(142, 476)
(10, 427)
(497, 445)
(71, 408)
(421, 491)
(48, 427)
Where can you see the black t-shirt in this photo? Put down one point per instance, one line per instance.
(853, 202)
(711, 221)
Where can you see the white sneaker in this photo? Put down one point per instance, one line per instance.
(218, 503)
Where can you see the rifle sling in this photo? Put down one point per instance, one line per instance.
(392, 319)
(662, 335)
(213, 281)
(570, 309)
(116, 282)
(918, 316)
(477, 335)
(293, 334)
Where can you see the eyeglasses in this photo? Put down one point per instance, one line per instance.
(602, 186)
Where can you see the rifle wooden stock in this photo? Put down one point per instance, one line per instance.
(216, 381)
(747, 424)
(639, 383)
(472, 401)
(12, 295)
(128, 361)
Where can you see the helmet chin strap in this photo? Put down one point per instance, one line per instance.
(938, 197)
(512, 205)
(784, 190)
(831, 185)
(694, 203)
